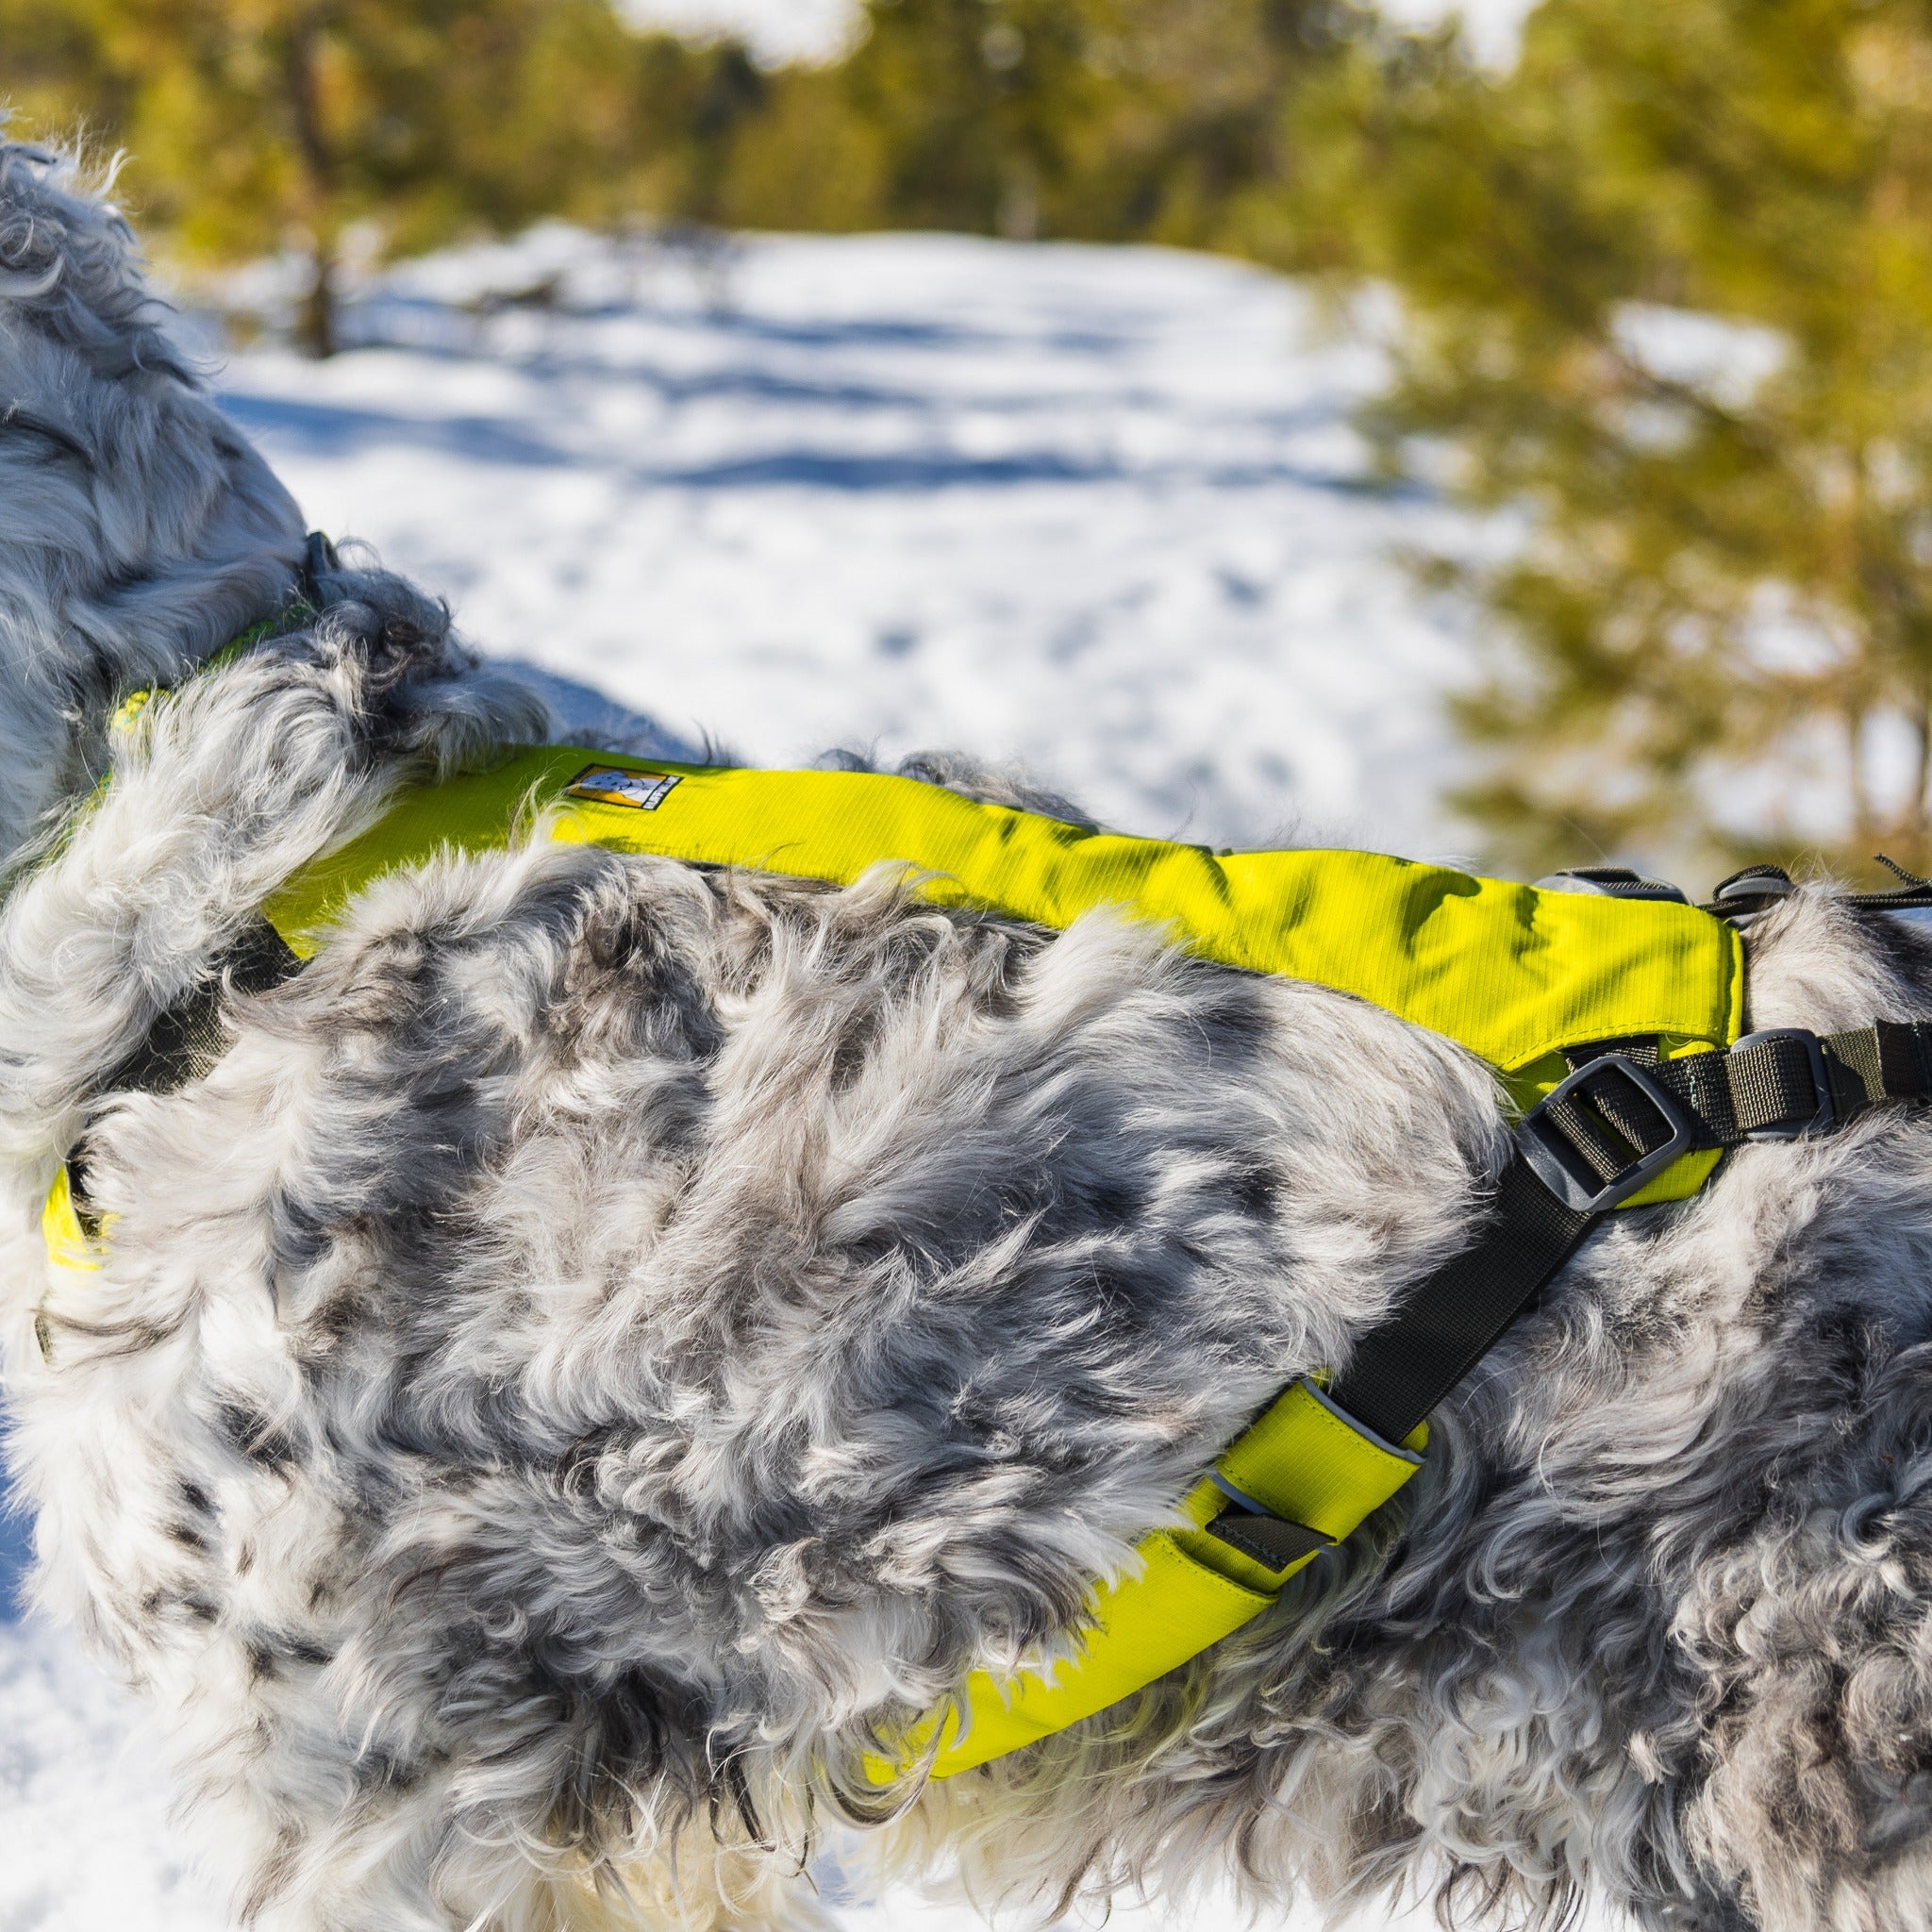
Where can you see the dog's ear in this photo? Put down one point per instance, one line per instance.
(141, 531)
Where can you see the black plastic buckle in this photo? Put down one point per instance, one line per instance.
(1826, 1116)
(1557, 1161)
(319, 561)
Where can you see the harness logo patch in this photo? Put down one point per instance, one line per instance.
(641, 790)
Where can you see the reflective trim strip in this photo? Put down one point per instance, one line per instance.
(1407, 1451)
(1253, 1505)
(1305, 1462)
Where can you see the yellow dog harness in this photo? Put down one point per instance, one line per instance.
(1515, 974)
(1522, 977)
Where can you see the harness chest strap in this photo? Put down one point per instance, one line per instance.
(1517, 975)
(1581, 1152)
(1586, 1149)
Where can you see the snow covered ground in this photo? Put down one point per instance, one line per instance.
(1097, 509)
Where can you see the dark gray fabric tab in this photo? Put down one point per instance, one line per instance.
(1267, 1539)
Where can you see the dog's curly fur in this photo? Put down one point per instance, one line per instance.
(610, 1340)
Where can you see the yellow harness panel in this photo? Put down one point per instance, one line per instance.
(1513, 973)
(1305, 1461)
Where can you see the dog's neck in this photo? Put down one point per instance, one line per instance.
(143, 536)
(141, 531)
(58, 703)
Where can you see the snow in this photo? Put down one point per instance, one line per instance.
(1728, 361)
(1493, 28)
(1098, 509)
(777, 30)
(87, 1844)
(821, 29)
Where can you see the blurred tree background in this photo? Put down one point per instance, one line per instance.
(1668, 290)
(253, 124)
(1662, 294)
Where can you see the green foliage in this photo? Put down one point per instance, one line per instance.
(1095, 119)
(55, 77)
(252, 124)
(1717, 641)
(256, 123)
(1197, 141)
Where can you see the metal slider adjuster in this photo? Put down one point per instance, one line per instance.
(1825, 1115)
(1555, 1158)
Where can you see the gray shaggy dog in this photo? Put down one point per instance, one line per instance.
(610, 1340)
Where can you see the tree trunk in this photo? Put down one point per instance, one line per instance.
(316, 327)
(1855, 756)
(1915, 827)
(1018, 218)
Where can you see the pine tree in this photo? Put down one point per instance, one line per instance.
(1191, 141)
(1106, 120)
(1669, 293)
(970, 101)
(53, 81)
(254, 124)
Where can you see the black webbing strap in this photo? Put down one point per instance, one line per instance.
(186, 1040)
(1604, 1133)
(1271, 1542)
(1401, 1370)
(1758, 888)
